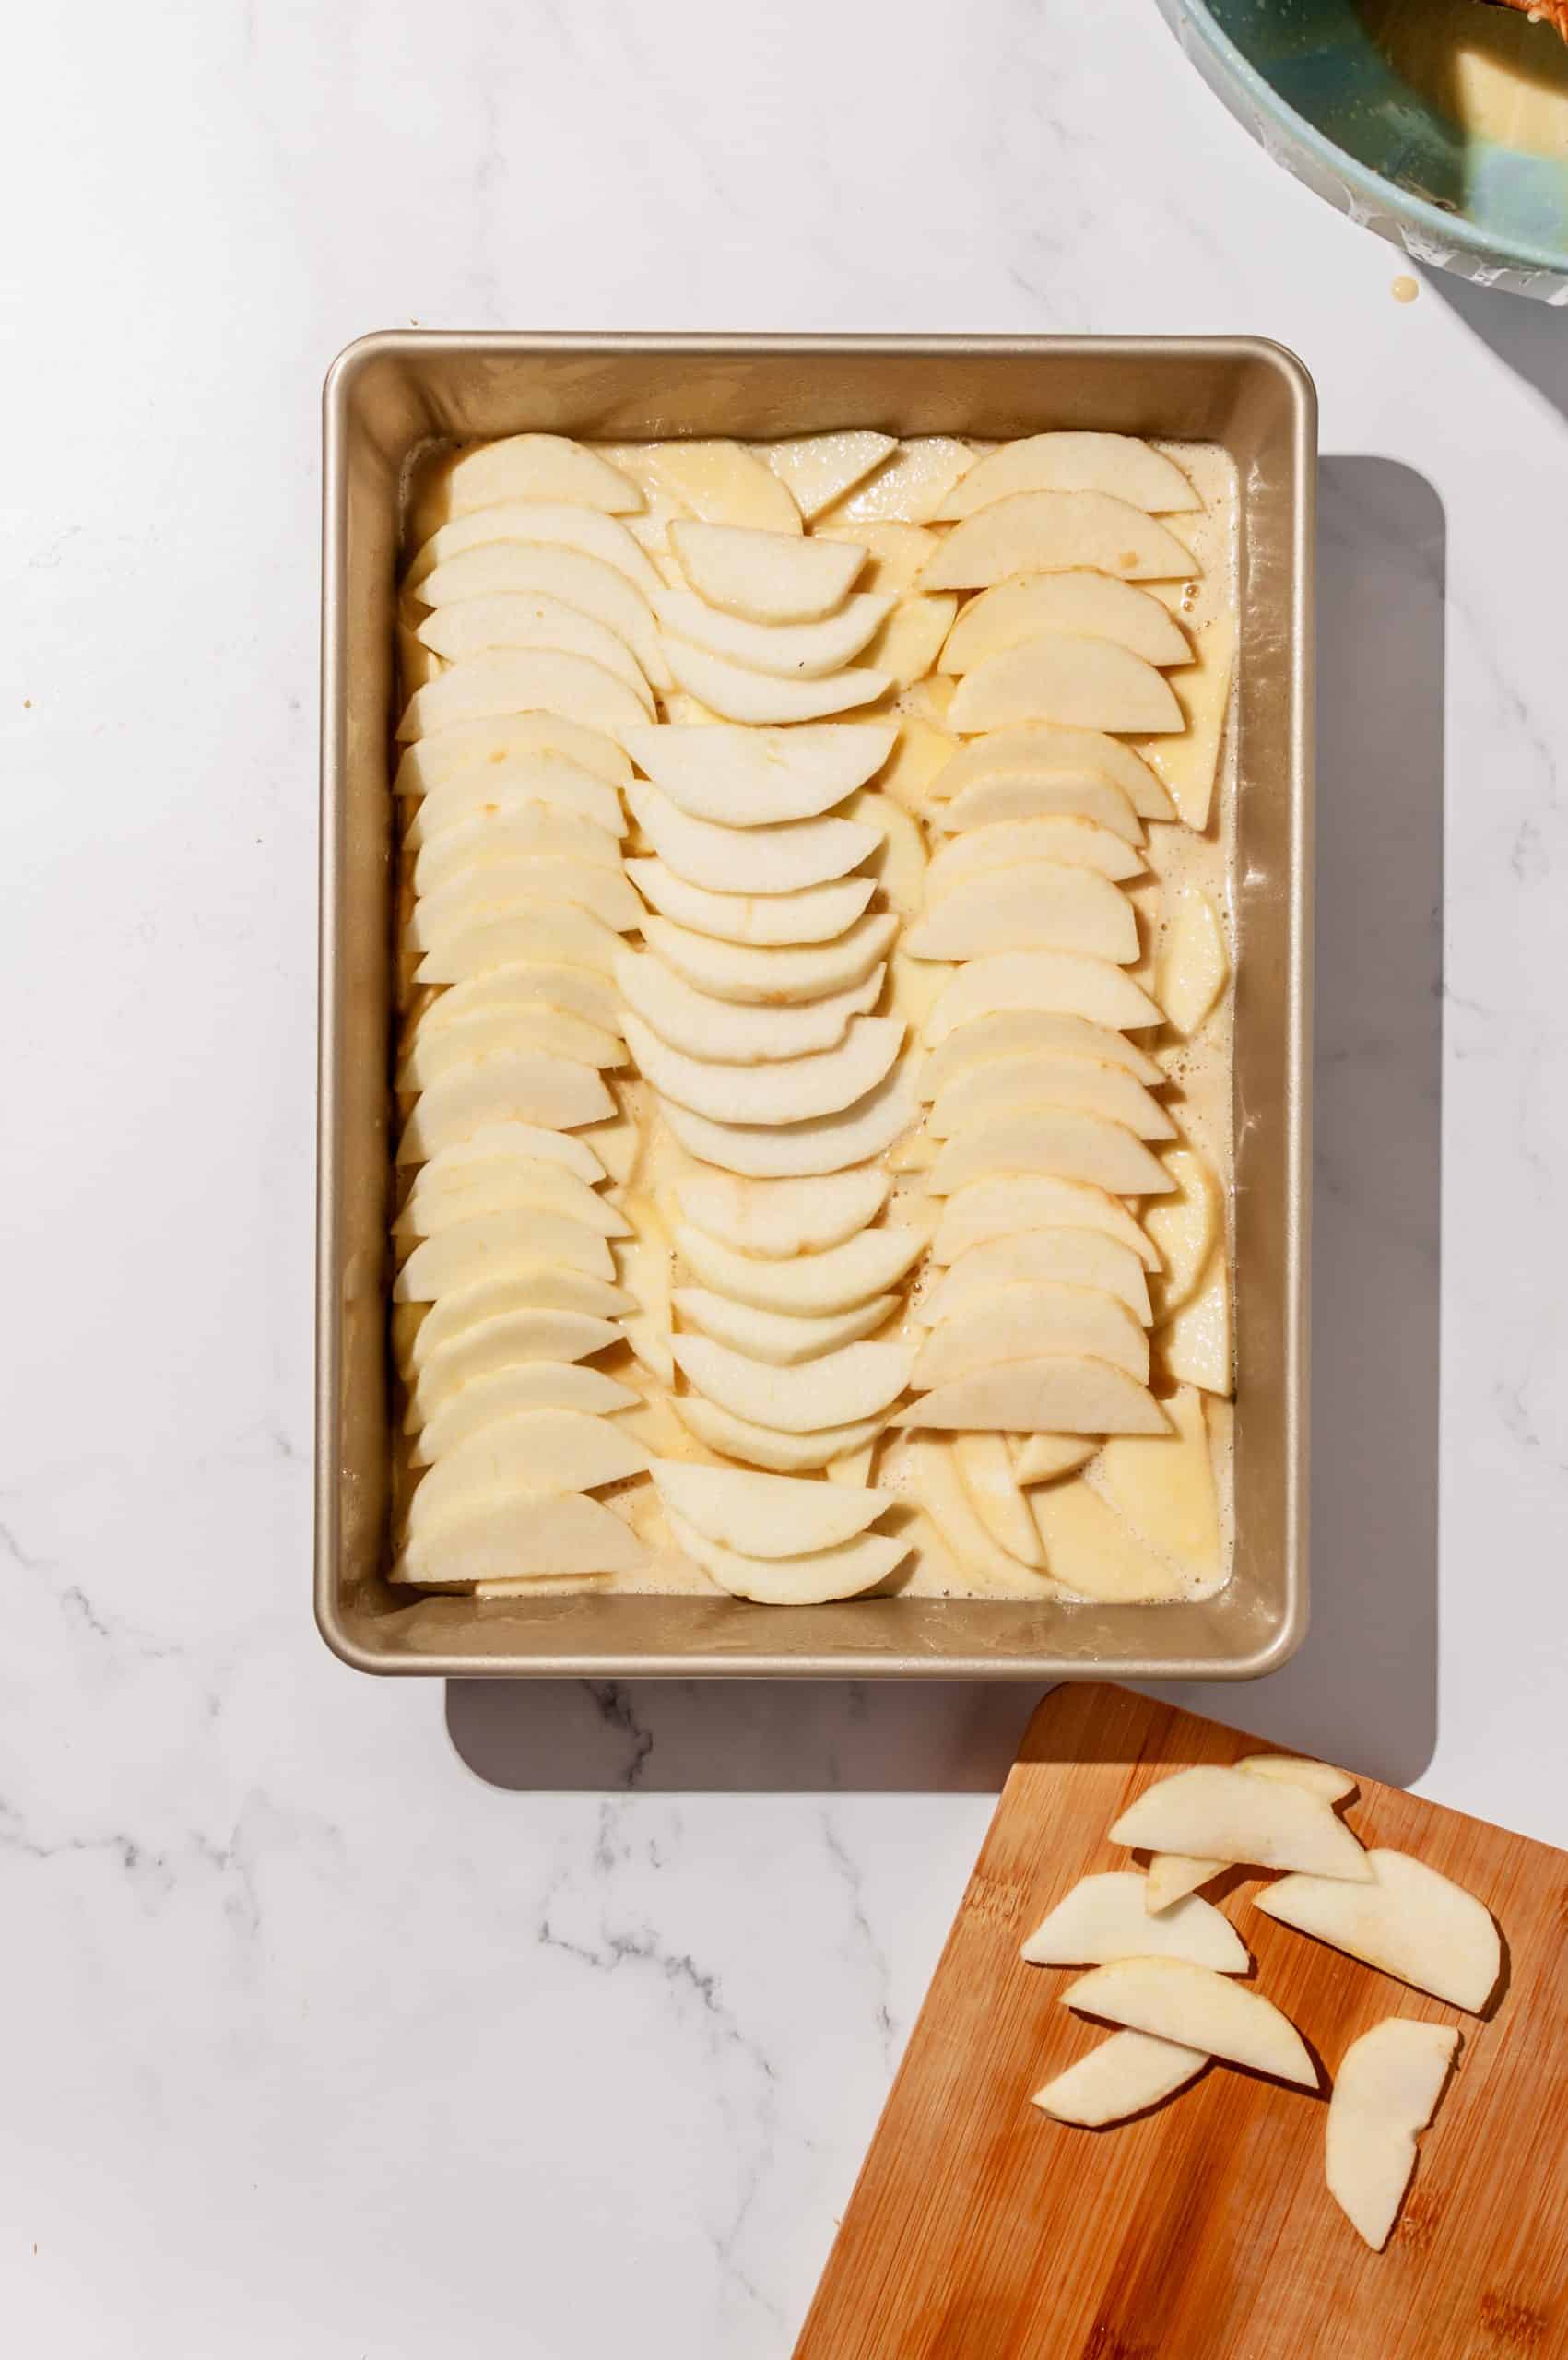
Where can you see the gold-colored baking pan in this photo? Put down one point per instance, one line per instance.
(388, 398)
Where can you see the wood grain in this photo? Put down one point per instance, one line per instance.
(980, 2230)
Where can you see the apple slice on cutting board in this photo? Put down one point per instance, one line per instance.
(1103, 1918)
(1387, 2090)
(1233, 1815)
(1122, 2076)
(1409, 1921)
(1198, 2009)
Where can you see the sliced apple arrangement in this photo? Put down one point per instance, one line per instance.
(785, 1024)
(1160, 1956)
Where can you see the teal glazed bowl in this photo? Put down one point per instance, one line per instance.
(1306, 78)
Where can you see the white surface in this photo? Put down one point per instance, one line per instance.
(318, 2041)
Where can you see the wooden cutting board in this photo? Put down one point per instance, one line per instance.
(979, 2230)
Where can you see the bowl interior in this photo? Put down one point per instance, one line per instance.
(1319, 60)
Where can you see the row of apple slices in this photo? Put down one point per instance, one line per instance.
(1159, 1968)
(1042, 1105)
(520, 897)
(760, 923)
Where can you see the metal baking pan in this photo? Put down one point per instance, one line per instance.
(388, 398)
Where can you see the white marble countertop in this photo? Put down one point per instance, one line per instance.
(351, 2019)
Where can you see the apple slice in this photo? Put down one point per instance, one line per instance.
(533, 467)
(985, 1470)
(724, 483)
(754, 778)
(909, 642)
(558, 523)
(520, 831)
(737, 694)
(560, 1450)
(538, 787)
(921, 752)
(1120, 464)
(779, 1218)
(535, 933)
(505, 747)
(1090, 606)
(535, 1286)
(1189, 765)
(1193, 967)
(781, 651)
(817, 469)
(765, 577)
(509, 569)
(489, 1345)
(792, 1150)
(1050, 532)
(1069, 842)
(1058, 983)
(508, 1086)
(1232, 1815)
(1003, 1208)
(841, 1572)
(932, 1480)
(911, 484)
(1085, 683)
(1021, 1322)
(1045, 1458)
(1185, 1226)
(1014, 797)
(798, 1093)
(1387, 2090)
(504, 1185)
(1162, 1486)
(1094, 1554)
(772, 1335)
(1011, 1033)
(1409, 1921)
(494, 1243)
(1104, 1917)
(493, 886)
(812, 913)
(1176, 2000)
(854, 1383)
(1037, 907)
(524, 984)
(496, 1142)
(516, 680)
(1007, 1084)
(531, 619)
(1051, 1395)
(804, 1285)
(1319, 1779)
(529, 1025)
(771, 1515)
(488, 1401)
(779, 859)
(1077, 1258)
(1125, 2075)
(726, 1031)
(1055, 1141)
(765, 1446)
(1032, 748)
(516, 1533)
(1173, 1875)
(1197, 1346)
(772, 974)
